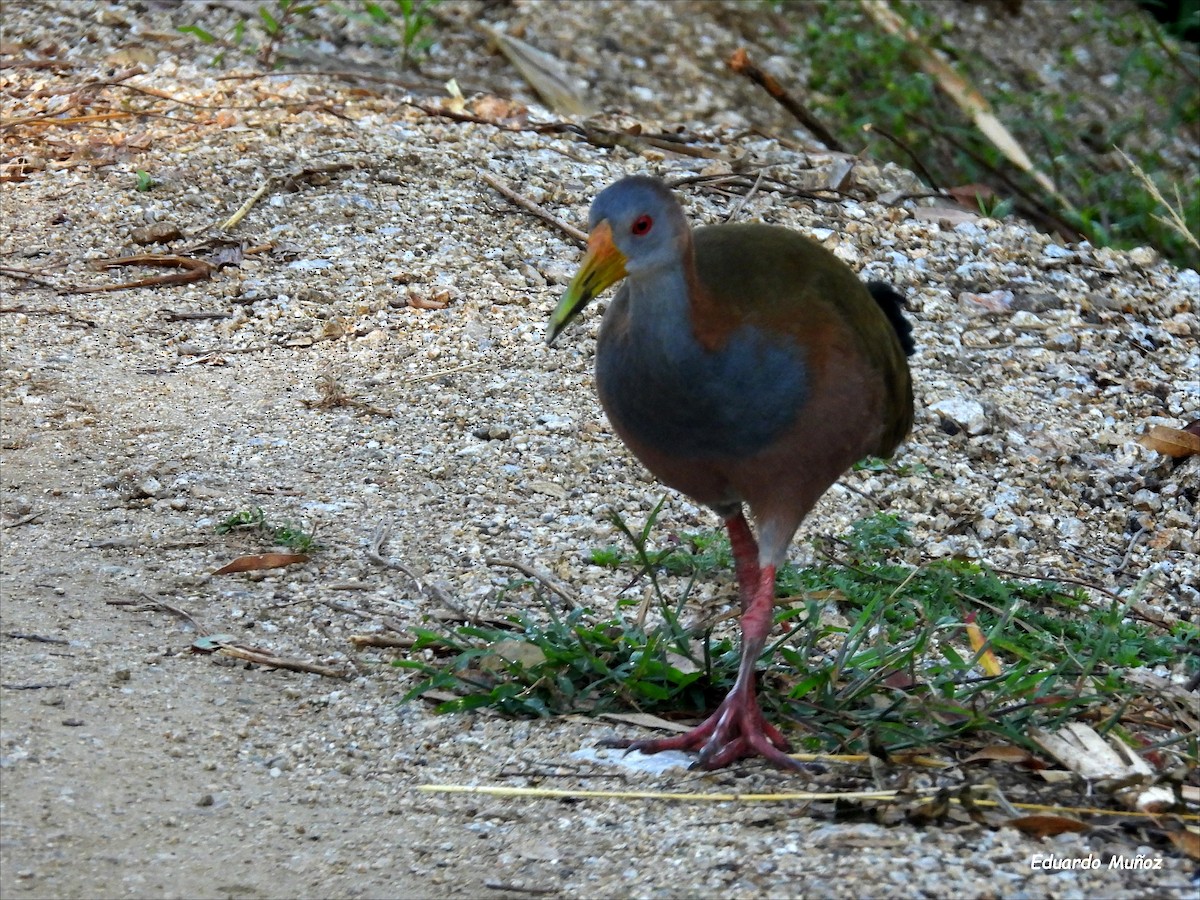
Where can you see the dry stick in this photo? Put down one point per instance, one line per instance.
(432, 591)
(342, 607)
(740, 63)
(184, 315)
(918, 166)
(175, 611)
(232, 221)
(516, 888)
(541, 577)
(37, 686)
(598, 137)
(194, 270)
(344, 75)
(303, 175)
(736, 211)
(163, 95)
(432, 376)
(25, 275)
(1133, 542)
(24, 520)
(381, 640)
(278, 662)
(529, 206)
(1091, 585)
(36, 638)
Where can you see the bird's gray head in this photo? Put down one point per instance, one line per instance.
(647, 223)
(636, 227)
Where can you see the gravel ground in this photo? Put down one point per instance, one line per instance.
(137, 420)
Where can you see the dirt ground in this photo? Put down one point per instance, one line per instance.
(379, 264)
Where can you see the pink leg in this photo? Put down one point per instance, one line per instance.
(737, 729)
(745, 557)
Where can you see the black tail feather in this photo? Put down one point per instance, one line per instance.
(892, 303)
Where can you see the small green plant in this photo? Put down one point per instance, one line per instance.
(277, 24)
(575, 663)
(144, 181)
(283, 535)
(871, 650)
(414, 26)
(403, 24)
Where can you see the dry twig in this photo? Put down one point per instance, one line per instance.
(381, 640)
(529, 206)
(278, 662)
(545, 580)
(194, 270)
(740, 63)
(431, 591)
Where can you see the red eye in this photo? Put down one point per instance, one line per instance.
(642, 225)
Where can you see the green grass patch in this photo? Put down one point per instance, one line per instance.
(286, 534)
(870, 651)
(406, 26)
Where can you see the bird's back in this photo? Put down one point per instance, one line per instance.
(792, 286)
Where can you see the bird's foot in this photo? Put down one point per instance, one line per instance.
(735, 731)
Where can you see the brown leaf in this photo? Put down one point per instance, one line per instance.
(516, 651)
(261, 561)
(1175, 442)
(1006, 753)
(900, 681)
(437, 300)
(500, 109)
(1046, 825)
(1187, 842)
(156, 233)
(932, 811)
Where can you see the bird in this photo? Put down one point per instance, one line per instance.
(748, 368)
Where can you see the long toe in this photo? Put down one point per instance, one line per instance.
(736, 730)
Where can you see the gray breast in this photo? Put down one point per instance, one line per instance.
(673, 395)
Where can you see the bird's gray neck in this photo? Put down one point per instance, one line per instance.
(659, 313)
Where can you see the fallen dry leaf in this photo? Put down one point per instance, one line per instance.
(972, 196)
(1175, 442)
(545, 73)
(1046, 825)
(1006, 753)
(1187, 841)
(516, 651)
(437, 300)
(500, 109)
(261, 561)
(987, 659)
(457, 102)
